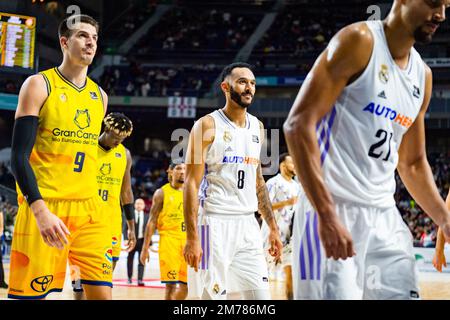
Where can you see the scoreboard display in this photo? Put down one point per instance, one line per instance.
(17, 42)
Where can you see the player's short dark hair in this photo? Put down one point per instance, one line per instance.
(65, 31)
(229, 69)
(119, 123)
(282, 157)
(174, 162)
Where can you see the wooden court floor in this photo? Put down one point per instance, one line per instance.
(433, 286)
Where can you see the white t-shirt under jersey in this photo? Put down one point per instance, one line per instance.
(281, 190)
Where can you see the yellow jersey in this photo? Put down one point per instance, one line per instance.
(111, 169)
(64, 156)
(171, 219)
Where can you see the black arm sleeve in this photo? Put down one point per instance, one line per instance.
(129, 211)
(24, 136)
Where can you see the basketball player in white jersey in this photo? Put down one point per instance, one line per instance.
(223, 156)
(358, 117)
(284, 192)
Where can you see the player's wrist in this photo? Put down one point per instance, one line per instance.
(130, 226)
(39, 208)
(327, 213)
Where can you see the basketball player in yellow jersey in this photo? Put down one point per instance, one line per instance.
(166, 215)
(114, 184)
(439, 256)
(54, 161)
(114, 179)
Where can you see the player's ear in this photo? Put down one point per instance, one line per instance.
(225, 86)
(63, 42)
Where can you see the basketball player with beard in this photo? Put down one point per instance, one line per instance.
(223, 237)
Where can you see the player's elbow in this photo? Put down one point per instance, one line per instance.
(15, 162)
(190, 186)
(294, 127)
(408, 167)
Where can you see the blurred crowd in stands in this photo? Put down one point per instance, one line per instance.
(140, 80)
(197, 28)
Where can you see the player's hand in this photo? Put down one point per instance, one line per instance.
(131, 241)
(145, 256)
(193, 253)
(336, 239)
(276, 246)
(52, 229)
(439, 260)
(446, 231)
(292, 201)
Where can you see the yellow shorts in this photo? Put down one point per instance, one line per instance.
(172, 265)
(37, 269)
(116, 218)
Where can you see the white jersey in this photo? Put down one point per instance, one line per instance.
(281, 190)
(359, 139)
(229, 184)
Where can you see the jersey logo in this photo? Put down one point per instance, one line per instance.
(255, 138)
(105, 169)
(383, 75)
(238, 159)
(93, 95)
(118, 155)
(82, 119)
(108, 255)
(389, 113)
(227, 136)
(382, 95)
(229, 149)
(42, 283)
(416, 92)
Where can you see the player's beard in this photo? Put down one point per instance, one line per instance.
(236, 97)
(290, 173)
(423, 37)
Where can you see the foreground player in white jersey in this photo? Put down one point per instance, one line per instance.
(365, 101)
(223, 150)
(284, 192)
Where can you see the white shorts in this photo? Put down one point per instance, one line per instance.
(383, 267)
(233, 258)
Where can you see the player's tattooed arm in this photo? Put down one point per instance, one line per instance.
(155, 210)
(265, 209)
(264, 204)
